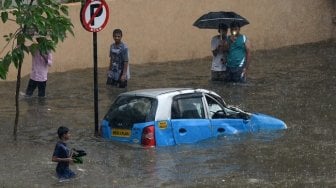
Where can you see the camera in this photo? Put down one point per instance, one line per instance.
(234, 33)
(77, 156)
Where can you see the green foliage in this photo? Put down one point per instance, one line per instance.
(4, 16)
(7, 4)
(44, 19)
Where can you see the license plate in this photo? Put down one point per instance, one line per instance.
(121, 132)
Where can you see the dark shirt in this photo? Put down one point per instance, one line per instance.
(62, 169)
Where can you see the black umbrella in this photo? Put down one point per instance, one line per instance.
(212, 20)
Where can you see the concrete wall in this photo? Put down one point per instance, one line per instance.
(161, 30)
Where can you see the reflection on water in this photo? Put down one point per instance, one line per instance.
(295, 84)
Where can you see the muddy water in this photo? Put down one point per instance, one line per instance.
(296, 84)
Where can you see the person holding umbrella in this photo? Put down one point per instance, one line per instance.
(219, 48)
(239, 54)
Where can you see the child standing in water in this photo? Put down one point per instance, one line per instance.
(62, 155)
(118, 72)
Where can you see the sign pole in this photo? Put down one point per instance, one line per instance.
(94, 17)
(95, 79)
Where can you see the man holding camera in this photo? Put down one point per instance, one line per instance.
(239, 55)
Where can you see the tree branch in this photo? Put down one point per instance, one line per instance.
(9, 41)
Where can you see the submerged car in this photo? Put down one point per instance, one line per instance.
(170, 116)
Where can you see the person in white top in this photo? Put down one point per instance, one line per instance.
(219, 48)
(39, 72)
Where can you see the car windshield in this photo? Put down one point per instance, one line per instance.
(127, 110)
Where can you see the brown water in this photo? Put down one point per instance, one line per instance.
(295, 84)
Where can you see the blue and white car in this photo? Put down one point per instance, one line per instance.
(170, 116)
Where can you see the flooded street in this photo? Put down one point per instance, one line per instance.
(295, 84)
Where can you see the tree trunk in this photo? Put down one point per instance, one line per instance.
(17, 94)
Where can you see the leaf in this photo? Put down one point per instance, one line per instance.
(69, 28)
(4, 65)
(40, 2)
(20, 39)
(54, 5)
(2, 71)
(7, 4)
(4, 16)
(15, 59)
(26, 49)
(18, 2)
(17, 56)
(33, 48)
(64, 9)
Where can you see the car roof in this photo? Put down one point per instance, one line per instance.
(154, 93)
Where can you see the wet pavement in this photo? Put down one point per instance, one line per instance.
(295, 84)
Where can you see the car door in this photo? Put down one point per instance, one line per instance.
(224, 121)
(188, 119)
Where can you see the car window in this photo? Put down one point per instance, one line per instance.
(187, 108)
(219, 110)
(129, 110)
(213, 106)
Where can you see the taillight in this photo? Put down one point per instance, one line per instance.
(148, 136)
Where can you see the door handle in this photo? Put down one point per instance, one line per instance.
(221, 130)
(182, 131)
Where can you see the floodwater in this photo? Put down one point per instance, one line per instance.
(295, 84)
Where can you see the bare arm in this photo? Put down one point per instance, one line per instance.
(248, 53)
(110, 64)
(50, 59)
(223, 46)
(56, 159)
(123, 76)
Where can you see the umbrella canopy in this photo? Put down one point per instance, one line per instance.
(212, 20)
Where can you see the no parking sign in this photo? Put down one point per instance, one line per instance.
(94, 15)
